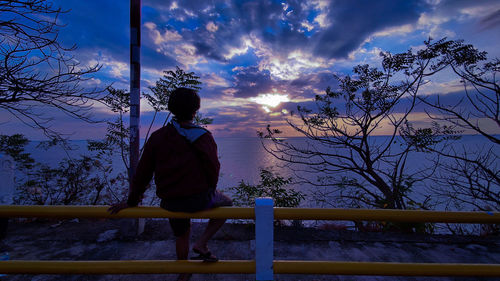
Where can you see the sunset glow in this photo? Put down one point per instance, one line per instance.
(258, 60)
(270, 100)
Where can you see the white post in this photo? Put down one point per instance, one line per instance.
(135, 93)
(7, 187)
(264, 238)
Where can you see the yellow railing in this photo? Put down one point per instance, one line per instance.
(125, 267)
(249, 266)
(248, 213)
(101, 212)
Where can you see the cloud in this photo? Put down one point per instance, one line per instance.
(491, 21)
(211, 26)
(250, 81)
(158, 37)
(356, 20)
(291, 67)
(241, 49)
(213, 80)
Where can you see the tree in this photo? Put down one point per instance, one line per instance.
(36, 70)
(468, 177)
(91, 179)
(73, 182)
(160, 93)
(358, 169)
(83, 180)
(14, 146)
(271, 185)
(116, 140)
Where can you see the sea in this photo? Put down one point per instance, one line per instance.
(242, 158)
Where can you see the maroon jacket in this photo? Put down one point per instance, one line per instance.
(180, 168)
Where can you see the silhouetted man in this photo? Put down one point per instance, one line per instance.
(183, 159)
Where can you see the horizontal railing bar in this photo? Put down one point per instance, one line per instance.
(386, 215)
(126, 267)
(385, 268)
(248, 267)
(248, 213)
(25, 211)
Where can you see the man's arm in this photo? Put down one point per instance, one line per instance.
(142, 176)
(140, 181)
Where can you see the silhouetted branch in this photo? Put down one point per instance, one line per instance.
(36, 71)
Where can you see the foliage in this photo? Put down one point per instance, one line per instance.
(37, 71)
(117, 135)
(470, 179)
(341, 150)
(14, 146)
(84, 180)
(73, 182)
(116, 140)
(160, 93)
(271, 185)
(92, 179)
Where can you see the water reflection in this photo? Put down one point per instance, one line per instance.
(242, 158)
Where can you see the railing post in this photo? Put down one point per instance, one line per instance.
(264, 238)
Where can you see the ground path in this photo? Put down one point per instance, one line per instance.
(104, 239)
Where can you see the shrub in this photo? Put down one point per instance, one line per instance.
(271, 185)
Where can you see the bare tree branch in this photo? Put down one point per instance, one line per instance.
(36, 71)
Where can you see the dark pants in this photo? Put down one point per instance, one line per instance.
(195, 203)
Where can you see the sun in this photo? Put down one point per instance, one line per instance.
(270, 100)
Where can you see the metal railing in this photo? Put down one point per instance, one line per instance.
(37, 211)
(264, 266)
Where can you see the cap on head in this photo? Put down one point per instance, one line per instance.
(184, 103)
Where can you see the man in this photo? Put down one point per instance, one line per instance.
(183, 159)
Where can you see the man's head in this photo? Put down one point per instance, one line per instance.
(184, 103)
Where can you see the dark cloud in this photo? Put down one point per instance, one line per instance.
(454, 5)
(100, 28)
(351, 23)
(151, 58)
(490, 21)
(319, 80)
(250, 82)
(264, 19)
(354, 21)
(103, 28)
(208, 51)
(95, 23)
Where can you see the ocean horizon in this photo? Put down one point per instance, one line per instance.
(242, 158)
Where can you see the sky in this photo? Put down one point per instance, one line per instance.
(258, 60)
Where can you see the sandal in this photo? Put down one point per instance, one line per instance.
(206, 257)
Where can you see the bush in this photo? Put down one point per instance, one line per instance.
(271, 185)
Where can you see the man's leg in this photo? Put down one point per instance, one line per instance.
(219, 199)
(181, 229)
(182, 246)
(182, 250)
(213, 226)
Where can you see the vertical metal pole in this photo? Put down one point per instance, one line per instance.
(264, 238)
(135, 91)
